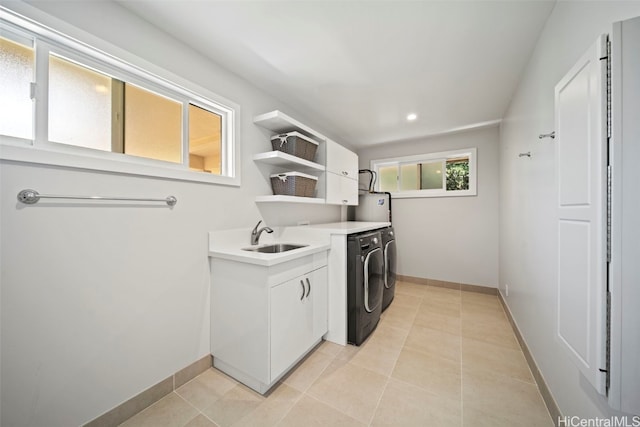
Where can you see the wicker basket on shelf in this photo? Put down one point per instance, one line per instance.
(296, 144)
(293, 184)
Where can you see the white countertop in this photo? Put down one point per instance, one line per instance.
(349, 227)
(229, 244)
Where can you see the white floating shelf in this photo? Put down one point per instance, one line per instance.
(279, 158)
(279, 122)
(290, 199)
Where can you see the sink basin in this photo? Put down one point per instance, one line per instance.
(275, 248)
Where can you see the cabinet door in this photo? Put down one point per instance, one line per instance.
(349, 191)
(298, 318)
(291, 324)
(341, 161)
(341, 190)
(318, 297)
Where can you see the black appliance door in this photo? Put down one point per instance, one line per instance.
(390, 264)
(373, 278)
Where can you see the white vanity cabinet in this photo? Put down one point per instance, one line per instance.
(342, 175)
(264, 319)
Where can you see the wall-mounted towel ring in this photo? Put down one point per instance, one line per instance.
(527, 154)
(551, 135)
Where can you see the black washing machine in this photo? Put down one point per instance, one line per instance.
(389, 254)
(365, 284)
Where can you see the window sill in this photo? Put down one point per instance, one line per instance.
(432, 193)
(11, 149)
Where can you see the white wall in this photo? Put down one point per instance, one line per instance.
(528, 235)
(448, 238)
(101, 301)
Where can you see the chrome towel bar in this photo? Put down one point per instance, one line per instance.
(30, 197)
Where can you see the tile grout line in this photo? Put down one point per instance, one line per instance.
(367, 369)
(333, 407)
(375, 410)
(519, 349)
(295, 402)
(498, 374)
(319, 375)
(148, 408)
(199, 412)
(422, 352)
(348, 362)
(422, 298)
(304, 392)
(522, 345)
(175, 391)
(394, 365)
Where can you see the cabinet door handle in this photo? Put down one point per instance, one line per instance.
(303, 290)
(345, 173)
(345, 201)
(309, 285)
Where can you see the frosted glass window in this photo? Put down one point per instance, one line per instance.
(421, 176)
(388, 176)
(205, 140)
(152, 125)
(16, 74)
(409, 177)
(431, 175)
(79, 105)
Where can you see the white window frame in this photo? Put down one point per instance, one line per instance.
(426, 158)
(40, 150)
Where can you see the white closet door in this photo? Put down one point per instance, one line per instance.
(580, 108)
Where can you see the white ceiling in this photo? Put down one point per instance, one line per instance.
(359, 67)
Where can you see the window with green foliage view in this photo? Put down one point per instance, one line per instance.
(450, 173)
(458, 174)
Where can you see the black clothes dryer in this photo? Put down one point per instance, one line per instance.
(389, 253)
(365, 284)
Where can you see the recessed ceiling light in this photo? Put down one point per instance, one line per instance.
(411, 117)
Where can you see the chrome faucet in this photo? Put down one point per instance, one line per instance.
(255, 233)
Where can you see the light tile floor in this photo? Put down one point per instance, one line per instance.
(439, 357)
